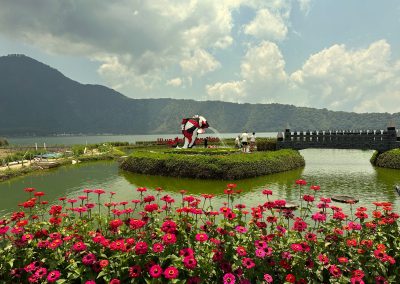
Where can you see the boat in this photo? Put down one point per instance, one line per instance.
(46, 164)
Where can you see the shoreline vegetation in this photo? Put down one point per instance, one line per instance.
(389, 159)
(212, 163)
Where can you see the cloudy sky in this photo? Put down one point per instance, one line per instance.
(334, 54)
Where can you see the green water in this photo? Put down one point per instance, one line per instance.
(336, 171)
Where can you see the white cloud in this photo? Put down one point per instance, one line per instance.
(230, 91)
(263, 77)
(305, 6)
(176, 82)
(267, 26)
(354, 80)
(200, 63)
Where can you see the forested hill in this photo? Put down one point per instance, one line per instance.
(36, 99)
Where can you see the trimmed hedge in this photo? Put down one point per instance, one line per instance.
(388, 159)
(266, 144)
(229, 167)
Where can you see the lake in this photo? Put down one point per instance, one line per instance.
(336, 171)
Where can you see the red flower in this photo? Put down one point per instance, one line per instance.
(190, 262)
(171, 272)
(290, 278)
(115, 281)
(135, 271)
(141, 189)
(301, 182)
(267, 192)
(99, 191)
(158, 247)
(141, 248)
(155, 271)
(29, 189)
(241, 251)
(169, 238)
(315, 187)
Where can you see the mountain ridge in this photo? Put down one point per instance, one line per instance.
(37, 99)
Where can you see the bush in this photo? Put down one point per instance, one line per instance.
(266, 144)
(388, 159)
(3, 142)
(224, 166)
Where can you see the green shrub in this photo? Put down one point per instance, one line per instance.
(78, 149)
(3, 142)
(230, 167)
(266, 144)
(388, 159)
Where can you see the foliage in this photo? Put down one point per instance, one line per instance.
(3, 142)
(266, 144)
(388, 159)
(232, 166)
(156, 239)
(21, 155)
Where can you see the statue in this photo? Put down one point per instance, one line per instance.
(191, 127)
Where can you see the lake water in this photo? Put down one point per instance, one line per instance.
(336, 171)
(70, 140)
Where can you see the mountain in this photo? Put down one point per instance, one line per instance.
(36, 99)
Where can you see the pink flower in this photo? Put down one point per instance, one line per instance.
(260, 253)
(115, 281)
(53, 276)
(335, 271)
(79, 246)
(241, 229)
(268, 278)
(201, 237)
(248, 262)
(89, 259)
(229, 278)
(155, 271)
(171, 272)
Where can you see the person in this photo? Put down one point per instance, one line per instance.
(237, 142)
(245, 142)
(252, 141)
(205, 142)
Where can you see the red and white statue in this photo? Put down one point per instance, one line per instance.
(191, 127)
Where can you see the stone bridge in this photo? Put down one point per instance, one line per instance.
(380, 140)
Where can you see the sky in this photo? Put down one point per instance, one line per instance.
(336, 54)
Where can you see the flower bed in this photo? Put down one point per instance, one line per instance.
(225, 165)
(156, 239)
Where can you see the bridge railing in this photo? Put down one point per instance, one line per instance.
(381, 140)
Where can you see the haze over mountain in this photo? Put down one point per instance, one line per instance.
(36, 99)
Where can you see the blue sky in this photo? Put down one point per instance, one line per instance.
(335, 54)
